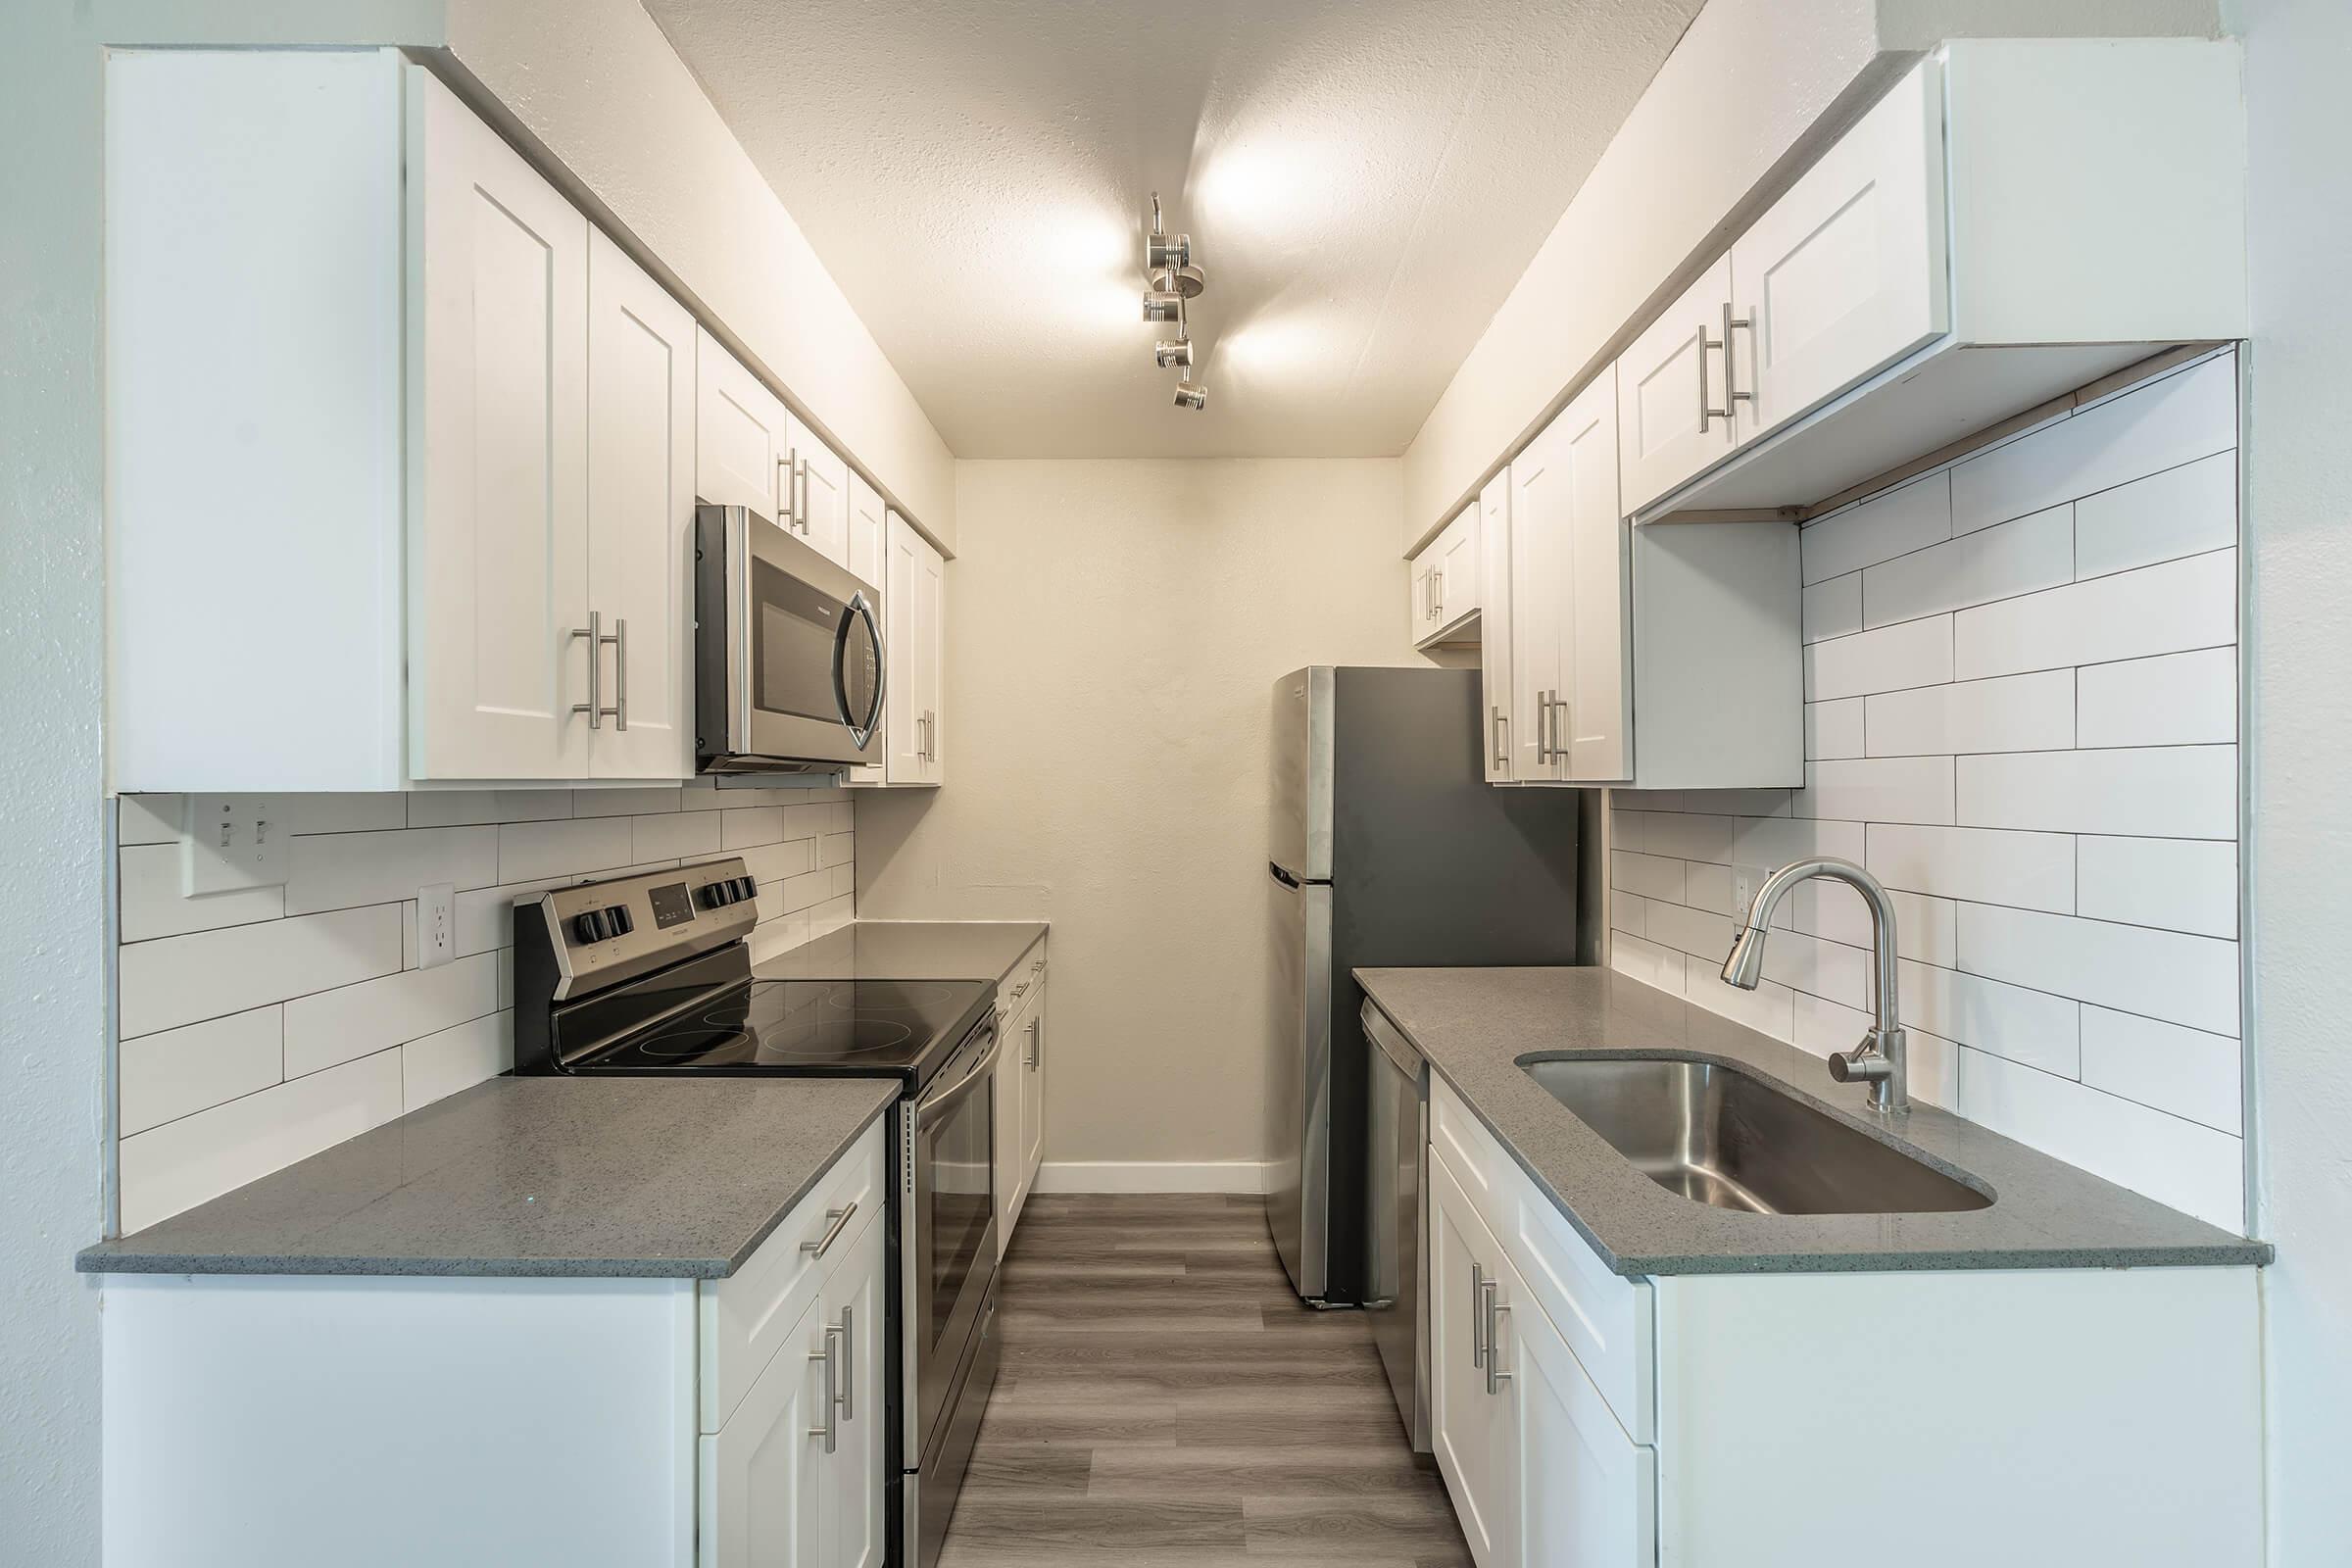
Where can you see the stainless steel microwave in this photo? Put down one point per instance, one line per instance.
(787, 652)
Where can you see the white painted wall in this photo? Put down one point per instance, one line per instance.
(1754, 87)
(1114, 631)
(52, 923)
(598, 88)
(2299, 536)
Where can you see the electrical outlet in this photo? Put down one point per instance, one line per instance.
(436, 924)
(229, 842)
(1743, 890)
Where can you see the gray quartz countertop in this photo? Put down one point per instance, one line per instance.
(910, 949)
(1476, 1026)
(674, 1178)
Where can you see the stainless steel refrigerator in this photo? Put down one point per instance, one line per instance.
(1389, 848)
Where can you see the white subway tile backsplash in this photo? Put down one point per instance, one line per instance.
(2191, 1167)
(2155, 609)
(1918, 514)
(1834, 608)
(2014, 713)
(752, 826)
(2178, 884)
(182, 1163)
(2181, 512)
(2033, 745)
(2185, 1071)
(1879, 789)
(2015, 1022)
(1834, 729)
(246, 1047)
(178, 980)
(466, 807)
(1650, 875)
(624, 802)
(459, 1057)
(674, 835)
(1647, 962)
(344, 870)
(2160, 974)
(2171, 700)
(162, 1077)
(152, 907)
(2031, 871)
(527, 851)
(2186, 791)
(1916, 653)
(2184, 417)
(335, 1026)
(2001, 563)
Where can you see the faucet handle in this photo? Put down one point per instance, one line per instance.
(1871, 1062)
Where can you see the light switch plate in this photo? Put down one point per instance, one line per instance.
(436, 924)
(229, 842)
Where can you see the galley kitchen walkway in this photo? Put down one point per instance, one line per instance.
(1167, 1403)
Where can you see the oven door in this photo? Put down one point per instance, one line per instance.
(789, 655)
(951, 1234)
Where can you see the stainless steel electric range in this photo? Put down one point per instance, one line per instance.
(652, 974)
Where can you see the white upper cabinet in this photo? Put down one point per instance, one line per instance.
(869, 525)
(1446, 590)
(641, 461)
(1844, 274)
(1540, 492)
(1571, 697)
(1673, 419)
(1495, 624)
(497, 503)
(740, 437)
(914, 611)
(817, 506)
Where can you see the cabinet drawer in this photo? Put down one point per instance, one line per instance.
(1022, 983)
(745, 1318)
(1605, 1317)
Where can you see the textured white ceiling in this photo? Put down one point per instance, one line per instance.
(1363, 181)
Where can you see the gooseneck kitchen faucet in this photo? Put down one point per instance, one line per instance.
(1879, 1059)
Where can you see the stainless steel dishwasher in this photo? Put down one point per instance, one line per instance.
(1397, 1294)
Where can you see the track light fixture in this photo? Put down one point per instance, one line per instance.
(1175, 279)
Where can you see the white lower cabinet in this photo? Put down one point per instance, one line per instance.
(1020, 1126)
(1582, 1419)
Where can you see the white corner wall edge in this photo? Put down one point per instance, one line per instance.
(599, 88)
(1754, 88)
(1150, 1176)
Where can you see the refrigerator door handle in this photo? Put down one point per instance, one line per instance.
(1282, 876)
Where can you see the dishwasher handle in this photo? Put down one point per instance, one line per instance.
(1391, 1043)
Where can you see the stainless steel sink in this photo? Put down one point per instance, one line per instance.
(1716, 1136)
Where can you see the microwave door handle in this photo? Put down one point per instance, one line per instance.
(862, 726)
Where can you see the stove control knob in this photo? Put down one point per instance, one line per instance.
(745, 888)
(715, 895)
(617, 917)
(592, 926)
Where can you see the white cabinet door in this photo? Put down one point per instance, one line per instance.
(931, 655)
(1033, 1090)
(868, 524)
(1593, 723)
(1458, 568)
(1495, 624)
(1671, 414)
(1845, 274)
(850, 1527)
(1588, 1494)
(1471, 1428)
(641, 392)
(907, 702)
(1541, 500)
(739, 435)
(819, 507)
(1421, 613)
(498, 392)
(759, 1474)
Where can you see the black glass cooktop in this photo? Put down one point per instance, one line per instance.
(846, 1028)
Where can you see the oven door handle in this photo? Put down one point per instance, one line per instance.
(964, 1084)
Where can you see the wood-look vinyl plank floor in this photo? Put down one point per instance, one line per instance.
(1166, 1402)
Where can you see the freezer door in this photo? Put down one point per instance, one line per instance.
(1303, 774)
(1298, 1092)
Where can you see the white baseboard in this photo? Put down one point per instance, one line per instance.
(1150, 1176)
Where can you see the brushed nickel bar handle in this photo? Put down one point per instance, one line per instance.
(1503, 756)
(1478, 1297)
(830, 1431)
(620, 673)
(840, 1218)
(849, 1385)
(784, 488)
(594, 706)
(1708, 411)
(1490, 1308)
(1732, 396)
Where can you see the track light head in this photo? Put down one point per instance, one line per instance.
(1164, 305)
(1189, 396)
(1173, 356)
(1167, 252)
